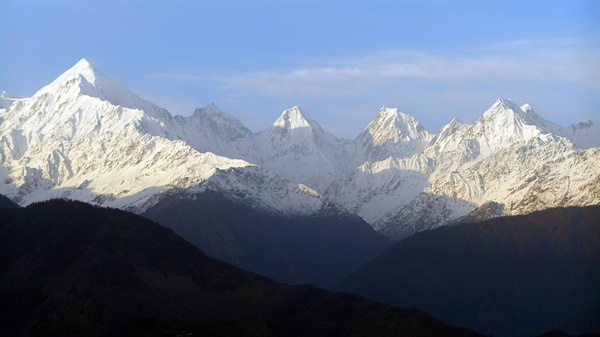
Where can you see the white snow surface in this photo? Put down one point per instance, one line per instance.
(391, 134)
(298, 149)
(85, 137)
(71, 141)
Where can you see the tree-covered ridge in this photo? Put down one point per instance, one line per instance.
(71, 269)
(508, 276)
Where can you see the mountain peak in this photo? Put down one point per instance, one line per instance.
(388, 111)
(397, 126)
(210, 110)
(507, 112)
(391, 133)
(505, 109)
(526, 108)
(291, 119)
(82, 68)
(223, 124)
(503, 106)
(82, 65)
(505, 103)
(84, 79)
(540, 122)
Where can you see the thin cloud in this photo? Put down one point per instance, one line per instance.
(182, 77)
(563, 60)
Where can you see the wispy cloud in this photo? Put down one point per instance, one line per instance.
(565, 60)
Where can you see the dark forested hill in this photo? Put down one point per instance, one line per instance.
(5, 202)
(509, 276)
(71, 269)
(319, 249)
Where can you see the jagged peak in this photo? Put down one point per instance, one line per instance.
(455, 121)
(83, 68)
(538, 120)
(583, 125)
(527, 108)
(210, 110)
(291, 119)
(505, 103)
(506, 111)
(450, 127)
(91, 82)
(213, 117)
(398, 117)
(395, 113)
(505, 108)
(395, 125)
(384, 110)
(212, 107)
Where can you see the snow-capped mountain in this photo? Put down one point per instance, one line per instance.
(508, 156)
(298, 149)
(391, 134)
(511, 157)
(83, 79)
(261, 190)
(85, 137)
(583, 135)
(5, 101)
(374, 189)
(502, 125)
(211, 130)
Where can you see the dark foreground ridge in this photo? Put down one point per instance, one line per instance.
(71, 269)
(510, 276)
(318, 249)
(5, 202)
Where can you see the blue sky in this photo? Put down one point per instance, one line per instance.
(340, 61)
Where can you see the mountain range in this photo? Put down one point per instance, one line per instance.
(298, 205)
(87, 138)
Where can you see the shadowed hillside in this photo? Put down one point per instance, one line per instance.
(318, 249)
(510, 276)
(71, 269)
(5, 202)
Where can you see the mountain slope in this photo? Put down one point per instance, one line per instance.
(508, 276)
(67, 142)
(5, 202)
(374, 189)
(583, 135)
(211, 130)
(83, 78)
(72, 269)
(298, 149)
(391, 134)
(85, 137)
(315, 248)
(71, 140)
(509, 157)
(522, 179)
